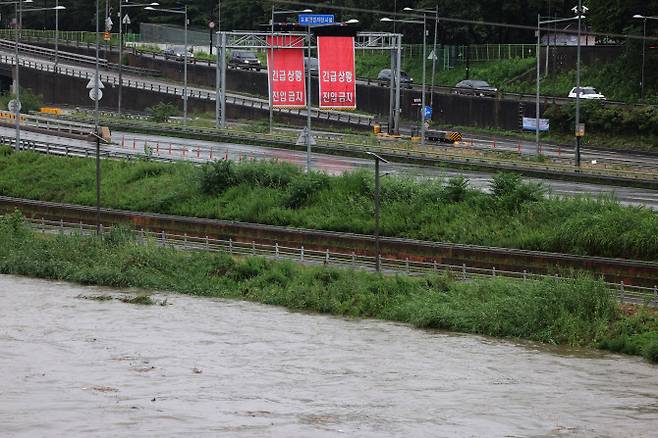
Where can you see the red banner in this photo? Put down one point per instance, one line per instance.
(336, 71)
(285, 70)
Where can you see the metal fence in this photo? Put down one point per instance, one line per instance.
(352, 260)
(451, 56)
(75, 36)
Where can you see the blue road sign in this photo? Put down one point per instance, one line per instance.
(428, 112)
(315, 19)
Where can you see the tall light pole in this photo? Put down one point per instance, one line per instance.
(17, 86)
(305, 11)
(538, 79)
(97, 123)
(644, 47)
(125, 4)
(422, 111)
(580, 9)
(435, 11)
(377, 210)
(184, 13)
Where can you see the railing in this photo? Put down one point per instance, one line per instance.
(244, 101)
(352, 260)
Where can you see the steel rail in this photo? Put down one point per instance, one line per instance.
(351, 260)
(630, 272)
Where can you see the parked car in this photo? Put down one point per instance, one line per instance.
(587, 93)
(244, 59)
(311, 64)
(178, 53)
(384, 78)
(474, 87)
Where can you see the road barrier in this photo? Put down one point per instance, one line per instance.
(349, 260)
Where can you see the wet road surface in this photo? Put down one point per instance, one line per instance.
(332, 164)
(206, 367)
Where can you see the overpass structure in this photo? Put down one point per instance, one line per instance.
(79, 66)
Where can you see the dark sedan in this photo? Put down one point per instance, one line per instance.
(473, 87)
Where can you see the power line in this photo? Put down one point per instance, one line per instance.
(406, 15)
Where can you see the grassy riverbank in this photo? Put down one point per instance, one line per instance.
(577, 312)
(515, 214)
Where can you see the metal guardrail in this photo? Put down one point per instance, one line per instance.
(352, 260)
(431, 153)
(244, 101)
(75, 58)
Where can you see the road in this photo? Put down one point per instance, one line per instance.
(200, 151)
(591, 156)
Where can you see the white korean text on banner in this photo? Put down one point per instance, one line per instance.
(285, 69)
(336, 72)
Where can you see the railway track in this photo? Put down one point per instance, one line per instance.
(622, 272)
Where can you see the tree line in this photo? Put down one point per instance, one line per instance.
(605, 16)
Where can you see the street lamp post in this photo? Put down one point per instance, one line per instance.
(124, 4)
(184, 13)
(580, 9)
(644, 47)
(377, 210)
(17, 87)
(307, 11)
(422, 111)
(434, 58)
(538, 80)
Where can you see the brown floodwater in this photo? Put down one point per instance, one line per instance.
(206, 367)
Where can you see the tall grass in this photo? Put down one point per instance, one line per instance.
(514, 215)
(578, 312)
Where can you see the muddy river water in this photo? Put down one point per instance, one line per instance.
(203, 367)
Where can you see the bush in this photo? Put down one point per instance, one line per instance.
(162, 111)
(303, 188)
(29, 100)
(456, 189)
(651, 352)
(217, 176)
(510, 191)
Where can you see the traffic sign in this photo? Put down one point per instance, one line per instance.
(315, 19)
(107, 36)
(108, 24)
(211, 25)
(416, 102)
(92, 84)
(126, 20)
(432, 56)
(14, 106)
(92, 94)
(428, 112)
(580, 130)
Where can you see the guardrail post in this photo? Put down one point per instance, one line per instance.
(163, 238)
(253, 248)
(621, 289)
(43, 225)
(525, 274)
(406, 265)
(493, 271)
(326, 256)
(276, 250)
(61, 226)
(185, 241)
(655, 292)
(435, 266)
(207, 244)
(464, 271)
(230, 246)
(301, 254)
(102, 230)
(141, 235)
(353, 260)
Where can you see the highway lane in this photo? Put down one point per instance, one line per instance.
(591, 156)
(199, 151)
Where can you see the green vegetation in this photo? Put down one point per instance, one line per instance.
(578, 312)
(514, 215)
(161, 112)
(29, 100)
